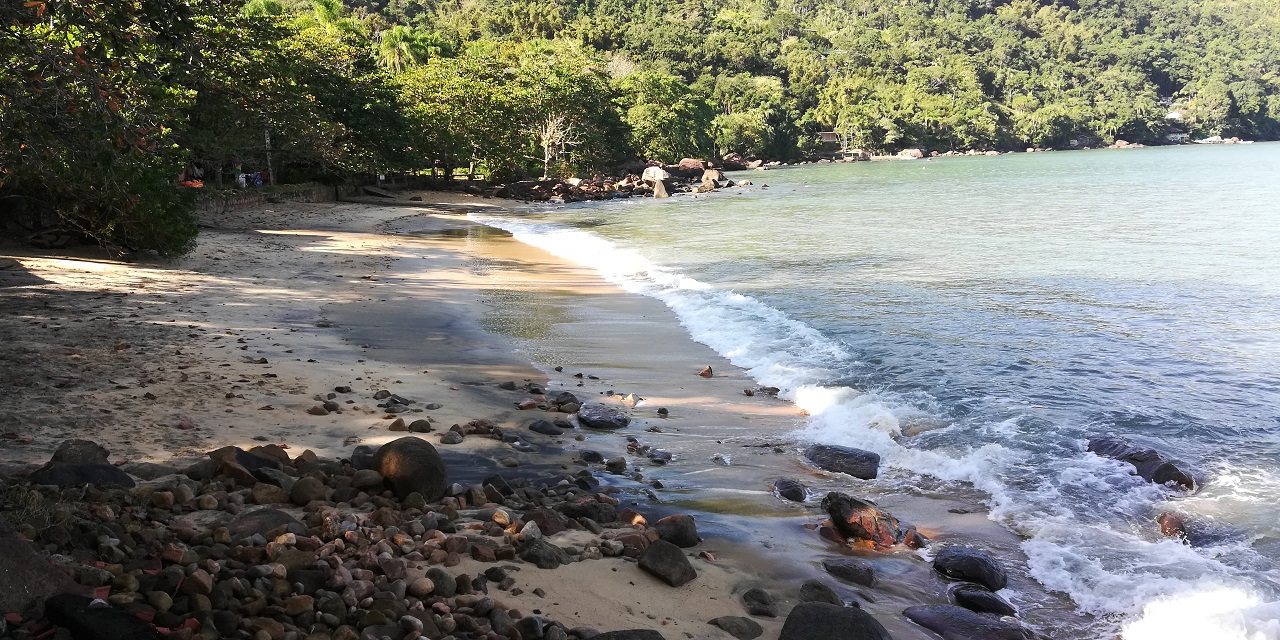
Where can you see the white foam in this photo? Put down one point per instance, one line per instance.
(1164, 589)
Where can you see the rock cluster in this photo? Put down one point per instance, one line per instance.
(258, 544)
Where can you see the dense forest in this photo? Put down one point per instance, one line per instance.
(104, 104)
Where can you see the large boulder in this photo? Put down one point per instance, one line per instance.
(678, 529)
(411, 464)
(80, 452)
(855, 462)
(861, 520)
(655, 174)
(960, 562)
(668, 563)
(27, 578)
(68, 474)
(543, 554)
(814, 620)
(1150, 464)
(957, 623)
(599, 416)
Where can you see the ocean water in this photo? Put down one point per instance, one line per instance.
(975, 320)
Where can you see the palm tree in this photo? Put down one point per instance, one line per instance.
(328, 13)
(401, 47)
(263, 8)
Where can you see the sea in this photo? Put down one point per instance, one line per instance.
(974, 320)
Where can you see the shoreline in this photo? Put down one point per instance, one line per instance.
(309, 314)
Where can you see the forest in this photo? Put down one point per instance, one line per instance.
(106, 104)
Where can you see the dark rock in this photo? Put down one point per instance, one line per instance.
(976, 597)
(545, 428)
(958, 623)
(420, 426)
(961, 562)
(148, 470)
(630, 634)
(589, 508)
(564, 397)
(668, 563)
(451, 437)
(80, 452)
(590, 456)
(599, 416)
(543, 554)
(852, 571)
(855, 462)
(263, 521)
(861, 520)
(68, 474)
(411, 465)
(362, 457)
(791, 489)
(26, 577)
(738, 626)
(1150, 464)
(102, 622)
(812, 620)
(678, 529)
(814, 591)
(367, 479)
(758, 602)
(508, 385)
(549, 522)
(307, 489)
(446, 585)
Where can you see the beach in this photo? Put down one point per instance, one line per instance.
(240, 342)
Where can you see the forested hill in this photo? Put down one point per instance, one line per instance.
(104, 102)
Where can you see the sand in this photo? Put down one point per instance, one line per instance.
(278, 306)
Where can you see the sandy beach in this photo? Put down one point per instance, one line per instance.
(240, 342)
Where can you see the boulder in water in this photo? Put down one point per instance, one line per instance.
(976, 597)
(961, 562)
(860, 464)
(861, 520)
(814, 620)
(1150, 464)
(958, 623)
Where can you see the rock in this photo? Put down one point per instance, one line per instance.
(1150, 464)
(398, 425)
(851, 570)
(960, 562)
(28, 578)
(545, 427)
(668, 563)
(264, 493)
(411, 464)
(68, 474)
(262, 522)
(678, 529)
(591, 456)
(630, 634)
(660, 189)
(451, 437)
(758, 602)
(738, 626)
(791, 489)
(543, 554)
(148, 470)
(855, 462)
(814, 591)
(616, 465)
(861, 520)
(812, 620)
(308, 489)
(420, 426)
(367, 479)
(655, 174)
(599, 416)
(318, 410)
(198, 583)
(976, 597)
(911, 153)
(89, 619)
(706, 372)
(958, 623)
(362, 457)
(421, 587)
(241, 465)
(80, 452)
(445, 584)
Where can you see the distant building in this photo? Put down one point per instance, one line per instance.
(829, 137)
(1177, 137)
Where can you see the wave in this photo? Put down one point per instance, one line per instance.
(1056, 498)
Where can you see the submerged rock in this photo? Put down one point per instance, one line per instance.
(855, 462)
(976, 597)
(1150, 464)
(791, 489)
(819, 620)
(958, 623)
(851, 570)
(966, 563)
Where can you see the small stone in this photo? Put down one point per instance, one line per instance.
(318, 411)
(207, 502)
(297, 605)
(706, 373)
(758, 602)
(264, 493)
(162, 499)
(367, 479)
(398, 425)
(451, 437)
(421, 587)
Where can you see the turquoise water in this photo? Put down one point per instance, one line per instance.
(975, 319)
